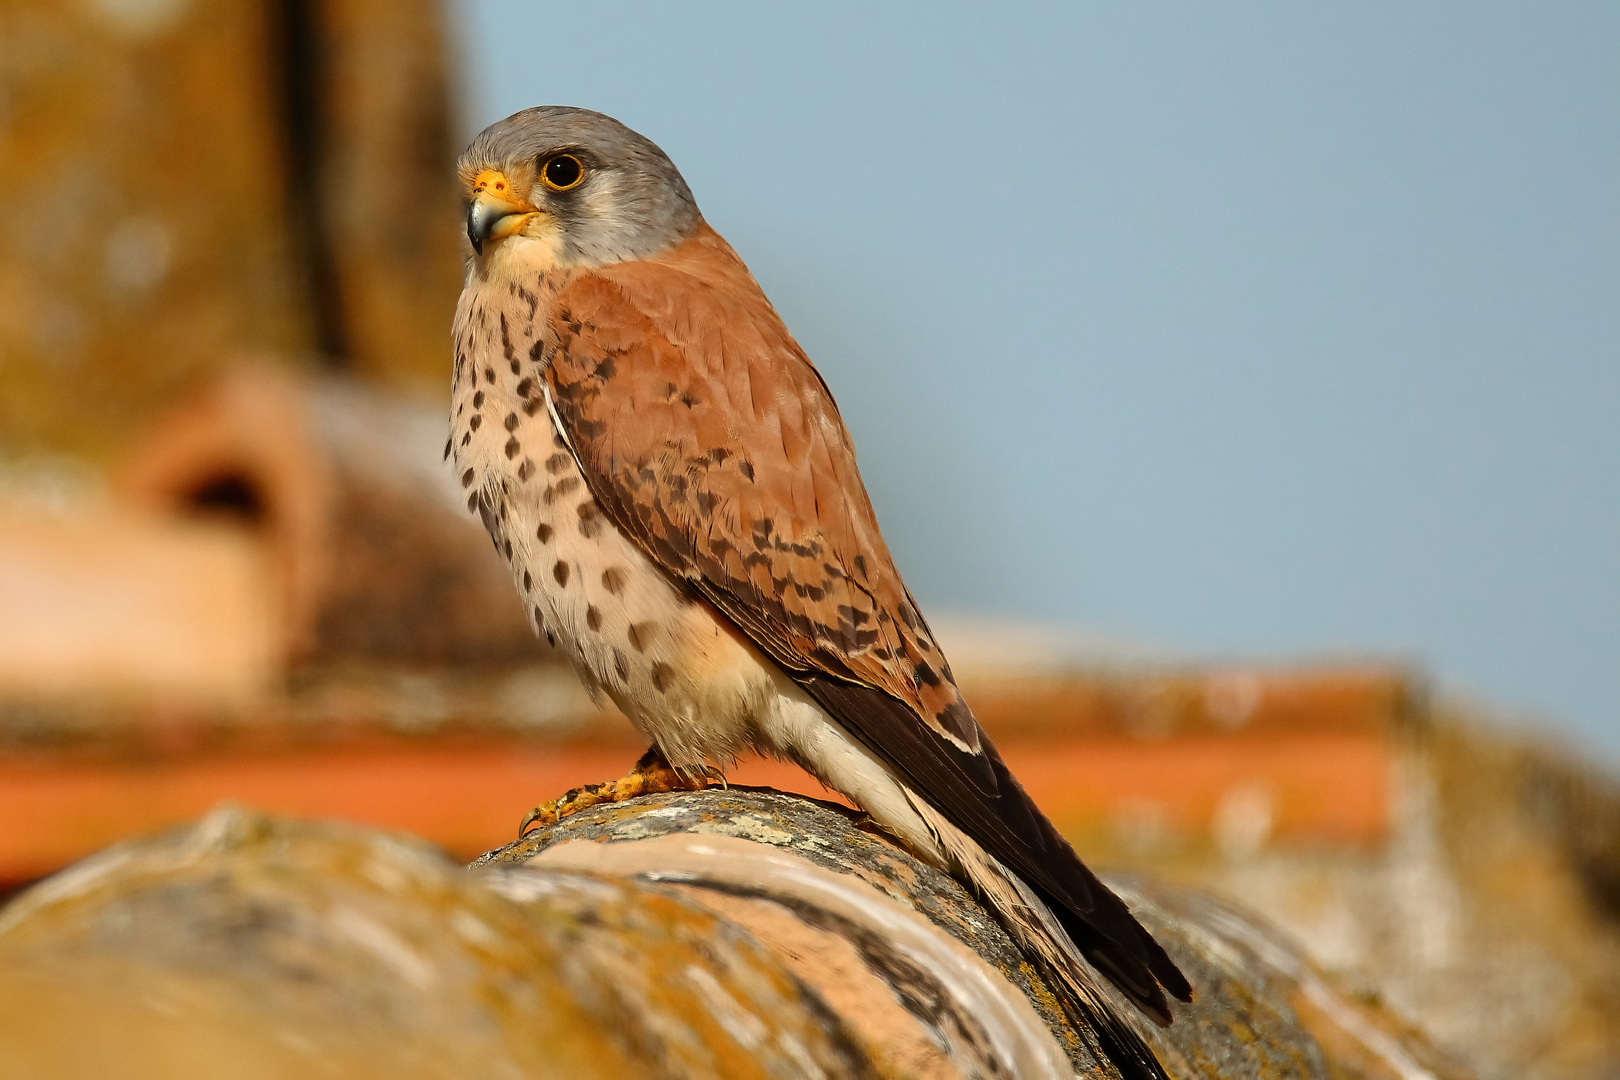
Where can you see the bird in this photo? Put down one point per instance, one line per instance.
(666, 472)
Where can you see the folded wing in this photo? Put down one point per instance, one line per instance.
(707, 435)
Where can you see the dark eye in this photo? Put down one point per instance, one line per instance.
(562, 172)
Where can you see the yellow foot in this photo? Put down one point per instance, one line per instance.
(651, 776)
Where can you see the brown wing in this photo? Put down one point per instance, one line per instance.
(708, 436)
(724, 452)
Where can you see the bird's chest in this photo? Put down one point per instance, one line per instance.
(514, 464)
(628, 627)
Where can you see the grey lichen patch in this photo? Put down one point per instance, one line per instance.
(746, 827)
(634, 830)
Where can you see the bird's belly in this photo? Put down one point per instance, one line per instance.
(685, 677)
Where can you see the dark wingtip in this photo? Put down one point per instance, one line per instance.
(1138, 981)
(1164, 969)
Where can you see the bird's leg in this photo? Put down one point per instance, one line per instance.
(652, 774)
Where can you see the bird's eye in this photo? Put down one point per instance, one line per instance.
(562, 172)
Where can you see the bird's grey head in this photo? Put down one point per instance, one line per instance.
(582, 186)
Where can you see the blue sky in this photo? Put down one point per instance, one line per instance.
(1249, 329)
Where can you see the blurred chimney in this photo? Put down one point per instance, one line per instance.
(373, 554)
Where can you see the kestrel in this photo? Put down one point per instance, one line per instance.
(669, 478)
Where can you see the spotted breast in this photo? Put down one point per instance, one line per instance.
(688, 679)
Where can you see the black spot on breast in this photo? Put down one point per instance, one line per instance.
(590, 519)
(556, 463)
(449, 444)
(506, 549)
(542, 532)
(476, 422)
(512, 448)
(567, 484)
(511, 421)
(560, 572)
(663, 676)
(478, 400)
(537, 351)
(593, 618)
(525, 388)
(506, 344)
(533, 405)
(620, 668)
(640, 634)
(489, 376)
(467, 478)
(526, 469)
(466, 437)
(613, 579)
(528, 582)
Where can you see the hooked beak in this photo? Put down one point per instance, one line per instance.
(495, 210)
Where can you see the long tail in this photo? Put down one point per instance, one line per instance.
(1046, 942)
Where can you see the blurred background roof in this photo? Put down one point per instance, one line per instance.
(1247, 327)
